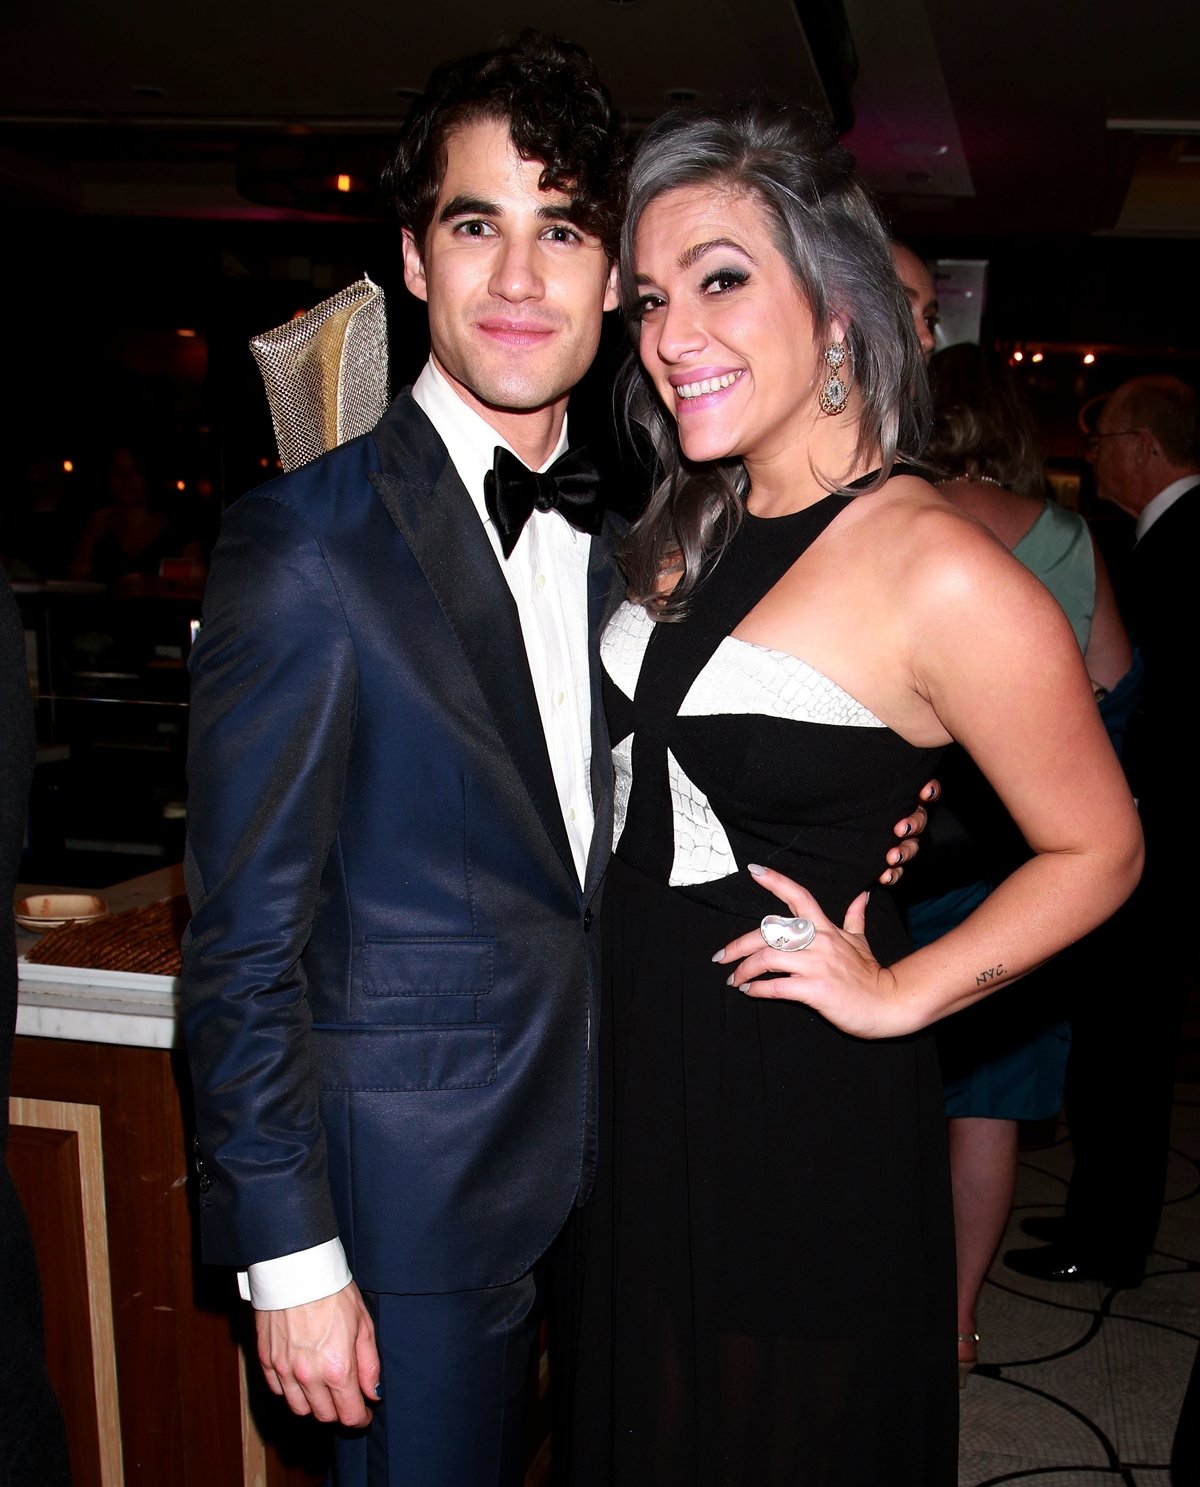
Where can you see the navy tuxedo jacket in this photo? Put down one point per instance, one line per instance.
(390, 975)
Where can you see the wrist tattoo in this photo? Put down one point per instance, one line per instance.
(996, 973)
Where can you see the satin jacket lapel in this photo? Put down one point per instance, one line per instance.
(605, 591)
(425, 498)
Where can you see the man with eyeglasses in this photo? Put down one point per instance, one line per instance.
(1145, 455)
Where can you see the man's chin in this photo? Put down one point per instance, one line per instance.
(517, 394)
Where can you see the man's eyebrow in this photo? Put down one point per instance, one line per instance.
(562, 211)
(914, 298)
(468, 206)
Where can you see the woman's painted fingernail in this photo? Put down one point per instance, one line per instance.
(719, 956)
(729, 982)
(755, 869)
(907, 828)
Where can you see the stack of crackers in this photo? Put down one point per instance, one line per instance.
(145, 939)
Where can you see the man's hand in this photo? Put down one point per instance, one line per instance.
(910, 828)
(321, 1357)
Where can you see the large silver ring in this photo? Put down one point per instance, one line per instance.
(787, 934)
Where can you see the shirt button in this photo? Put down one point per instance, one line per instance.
(570, 813)
(560, 698)
(540, 581)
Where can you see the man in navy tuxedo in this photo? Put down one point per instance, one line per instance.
(400, 806)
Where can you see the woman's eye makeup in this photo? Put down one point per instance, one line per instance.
(722, 279)
(716, 282)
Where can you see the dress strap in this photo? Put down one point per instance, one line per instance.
(759, 554)
(901, 467)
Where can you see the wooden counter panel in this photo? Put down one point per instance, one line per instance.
(176, 1358)
(44, 1163)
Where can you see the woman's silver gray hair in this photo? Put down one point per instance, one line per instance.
(831, 237)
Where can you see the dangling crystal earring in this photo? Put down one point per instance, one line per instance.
(836, 389)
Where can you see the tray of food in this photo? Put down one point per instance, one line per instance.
(139, 947)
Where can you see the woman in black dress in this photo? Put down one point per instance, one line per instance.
(769, 1288)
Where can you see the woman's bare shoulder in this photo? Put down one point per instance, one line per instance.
(915, 513)
(938, 550)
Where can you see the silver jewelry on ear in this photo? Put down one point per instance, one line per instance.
(835, 390)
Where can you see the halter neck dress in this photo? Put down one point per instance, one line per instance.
(768, 1294)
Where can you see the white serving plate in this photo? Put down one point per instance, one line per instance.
(34, 970)
(44, 911)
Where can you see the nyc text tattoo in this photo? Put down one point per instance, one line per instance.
(995, 974)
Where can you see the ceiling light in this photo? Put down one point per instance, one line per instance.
(1018, 356)
(68, 466)
(1089, 358)
(343, 183)
(1037, 356)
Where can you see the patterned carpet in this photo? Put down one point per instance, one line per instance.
(1079, 1385)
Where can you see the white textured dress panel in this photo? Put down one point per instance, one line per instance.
(623, 645)
(702, 850)
(741, 677)
(622, 780)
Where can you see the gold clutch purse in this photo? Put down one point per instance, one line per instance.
(326, 372)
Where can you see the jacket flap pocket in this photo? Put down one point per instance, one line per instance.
(385, 1060)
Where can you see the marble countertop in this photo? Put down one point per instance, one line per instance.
(90, 1006)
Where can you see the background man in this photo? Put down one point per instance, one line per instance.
(917, 283)
(33, 1443)
(1145, 454)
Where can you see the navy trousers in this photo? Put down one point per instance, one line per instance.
(455, 1386)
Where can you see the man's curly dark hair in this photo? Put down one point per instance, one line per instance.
(558, 112)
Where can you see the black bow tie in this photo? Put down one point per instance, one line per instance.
(512, 491)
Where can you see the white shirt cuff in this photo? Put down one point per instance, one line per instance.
(293, 1280)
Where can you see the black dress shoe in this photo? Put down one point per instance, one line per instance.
(1050, 1229)
(1056, 1262)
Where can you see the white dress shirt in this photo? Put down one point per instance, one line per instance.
(547, 574)
(1165, 499)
